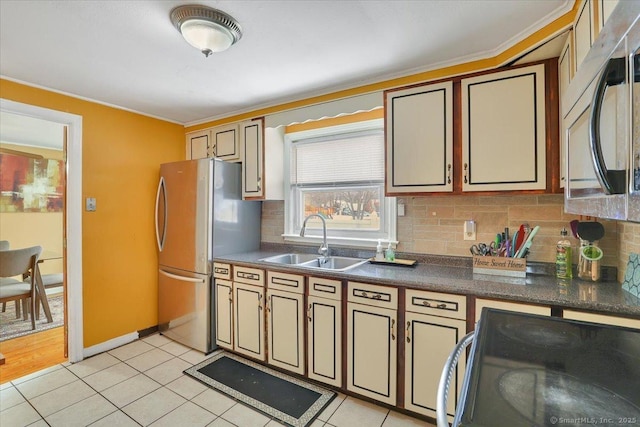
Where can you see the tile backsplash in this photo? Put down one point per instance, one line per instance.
(434, 225)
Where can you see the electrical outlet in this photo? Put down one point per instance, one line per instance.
(470, 230)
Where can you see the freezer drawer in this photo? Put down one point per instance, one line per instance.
(184, 308)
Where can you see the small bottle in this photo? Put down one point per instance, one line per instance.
(564, 267)
(390, 255)
(379, 251)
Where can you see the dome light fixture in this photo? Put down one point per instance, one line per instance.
(205, 28)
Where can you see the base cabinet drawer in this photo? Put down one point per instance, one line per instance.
(372, 352)
(601, 318)
(511, 306)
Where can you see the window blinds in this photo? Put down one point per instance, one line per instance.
(345, 159)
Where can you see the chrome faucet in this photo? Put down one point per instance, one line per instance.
(324, 248)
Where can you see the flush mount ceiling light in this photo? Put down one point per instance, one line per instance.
(207, 29)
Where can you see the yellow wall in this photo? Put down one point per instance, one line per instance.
(121, 152)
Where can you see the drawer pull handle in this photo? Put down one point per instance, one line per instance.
(393, 324)
(364, 294)
(442, 305)
(377, 296)
(426, 303)
(408, 327)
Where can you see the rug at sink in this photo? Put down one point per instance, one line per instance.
(288, 399)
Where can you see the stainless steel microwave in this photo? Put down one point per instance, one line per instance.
(601, 123)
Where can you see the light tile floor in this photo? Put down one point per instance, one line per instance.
(142, 383)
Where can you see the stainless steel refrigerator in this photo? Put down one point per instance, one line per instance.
(199, 214)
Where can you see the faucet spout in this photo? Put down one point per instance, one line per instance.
(324, 248)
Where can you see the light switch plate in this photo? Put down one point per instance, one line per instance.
(90, 204)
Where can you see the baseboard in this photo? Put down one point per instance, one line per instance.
(110, 345)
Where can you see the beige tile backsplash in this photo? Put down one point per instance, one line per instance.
(434, 225)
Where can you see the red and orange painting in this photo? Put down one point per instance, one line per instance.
(31, 185)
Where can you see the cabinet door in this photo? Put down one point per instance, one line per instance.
(606, 7)
(372, 352)
(198, 144)
(324, 343)
(253, 159)
(248, 320)
(285, 329)
(224, 313)
(583, 32)
(429, 341)
(226, 142)
(419, 140)
(565, 73)
(504, 130)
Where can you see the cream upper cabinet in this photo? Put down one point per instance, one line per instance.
(285, 321)
(605, 8)
(584, 31)
(222, 142)
(324, 341)
(252, 159)
(504, 130)
(262, 161)
(419, 139)
(198, 144)
(565, 74)
(372, 341)
(226, 142)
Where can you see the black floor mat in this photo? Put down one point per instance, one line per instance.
(278, 395)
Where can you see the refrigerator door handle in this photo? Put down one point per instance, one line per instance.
(184, 279)
(160, 239)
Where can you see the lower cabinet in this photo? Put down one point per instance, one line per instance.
(224, 313)
(248, 320)
(371, 341)
(601, 318)
(285, 330)
(429, 339)
(324, 341)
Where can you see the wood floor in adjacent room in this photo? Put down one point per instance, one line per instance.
(31, 353)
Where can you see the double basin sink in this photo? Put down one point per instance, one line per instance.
(333, 263)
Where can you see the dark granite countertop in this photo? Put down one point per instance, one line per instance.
(455, 275)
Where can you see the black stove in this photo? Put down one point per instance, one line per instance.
(528, 370)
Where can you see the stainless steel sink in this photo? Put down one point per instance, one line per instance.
(290, 258)
(334, 263)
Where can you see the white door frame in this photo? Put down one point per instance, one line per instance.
(74, 215)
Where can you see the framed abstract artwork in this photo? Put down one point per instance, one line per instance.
(30, 184)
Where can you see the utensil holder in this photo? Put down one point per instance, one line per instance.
(589, 267)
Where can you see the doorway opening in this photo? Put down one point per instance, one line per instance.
(72, 213)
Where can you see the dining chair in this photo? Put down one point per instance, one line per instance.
(16, 263)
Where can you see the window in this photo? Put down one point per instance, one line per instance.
(338, 172)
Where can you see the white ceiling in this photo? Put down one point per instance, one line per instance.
(128, 54)
(23, 130)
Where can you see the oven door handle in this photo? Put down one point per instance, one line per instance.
(613, 74)
(448, 373)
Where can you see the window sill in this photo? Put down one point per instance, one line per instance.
(349, 242)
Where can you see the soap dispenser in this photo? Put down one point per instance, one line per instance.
(379, 252)
(390, 255)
